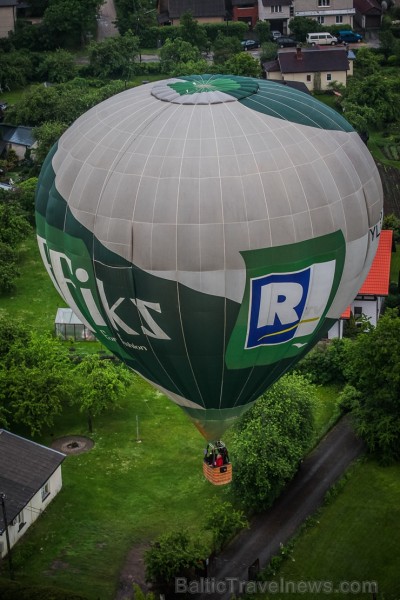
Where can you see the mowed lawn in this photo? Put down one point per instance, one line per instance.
(123, 493)
(355, 540)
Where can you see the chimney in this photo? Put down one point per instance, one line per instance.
(299, 55)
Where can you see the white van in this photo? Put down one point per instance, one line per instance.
(321, 38)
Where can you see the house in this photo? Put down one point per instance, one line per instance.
(277, 12)
(245, 11)
(368, 14)
(14, 138)
(315, 67)
(370, 298)
(204, 11)
(8, 16)
(326, 12)
(30, 477)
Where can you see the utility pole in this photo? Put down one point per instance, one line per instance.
(3, 506)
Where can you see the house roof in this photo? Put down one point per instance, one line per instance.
(273, 2)
(17, 135)
(246, 3)
(309, 60)
(25, 466)
(8, 3)
(367, 7)
(198, 8)
(378, 278)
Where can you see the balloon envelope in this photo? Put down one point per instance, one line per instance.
(209, 230)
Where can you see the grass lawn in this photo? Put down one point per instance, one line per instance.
(355, 539)
(121, 493)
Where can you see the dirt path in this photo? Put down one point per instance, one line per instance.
(305, 493)
(303, 496)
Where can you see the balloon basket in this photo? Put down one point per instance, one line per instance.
(218, 475)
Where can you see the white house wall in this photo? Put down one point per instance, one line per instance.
(7, 19)
(31, 511)
(334, 12)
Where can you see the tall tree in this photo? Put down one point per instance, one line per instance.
(373, 372)
(113, 56)
(100, 385)
(243, 64)
(270, 440)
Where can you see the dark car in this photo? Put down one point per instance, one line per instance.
(250, 44)
(286, 42)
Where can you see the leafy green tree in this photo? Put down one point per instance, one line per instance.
(35, 381)
(224, 521)
(13, 224)
(114, 56)
(392, 222)
(57, 67)
(263, 31)
(301, 26)
(270, 440)
(269, 51)
(377, 95)
(11, 331)
(192, 32)
(68, 21)
(15, 69)
(135, 15)
(9, 271)
(46, 136)
(26, 197)
(326, 362)
(100, 385)
(177, 52)
(224, 48)
(173, 555)
(374, 373)
(368, 63)
(243, 64)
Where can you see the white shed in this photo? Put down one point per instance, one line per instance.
(68, 327)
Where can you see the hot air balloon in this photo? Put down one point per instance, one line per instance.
(209, 230)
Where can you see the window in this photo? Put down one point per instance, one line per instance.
(329, 76)
(276, 8)
(45, 491)
(19, 520)
(321, 20)
(357, 311)
(324, 3)
(308, 77)
(339, 19)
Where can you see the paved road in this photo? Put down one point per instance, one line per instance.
(305, 493)
(105, 25)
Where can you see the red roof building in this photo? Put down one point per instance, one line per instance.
(369, 299)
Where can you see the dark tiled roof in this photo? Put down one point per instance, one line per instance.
(270, 66)
(24, 468)
(367, 7)
(8, 3)
(313, 60)
(17, 135)
(198, 8)
(296, 85)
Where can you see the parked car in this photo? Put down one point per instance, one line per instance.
(286, 42)
(322, 38)
(348, 37)
(275, 35)
(250, 44)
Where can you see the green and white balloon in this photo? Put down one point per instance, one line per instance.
(209, 230)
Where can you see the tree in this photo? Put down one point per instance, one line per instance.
(270, 440)
(368, 63)
(100, 385)
(177, 52)
(173, 555)
(68, 21)
(114, 57)
(15, 69)
(192, 32)
(243, 64)
(35, 381)
(9, 271)
(374, 374)
(224, 521)
(46, 136)
(378, 95)
(263, 30)
(25, 195)
(224, 48)
(392, 222)
(301, 26)
(57, 67)
(269, 51)
(13, 224)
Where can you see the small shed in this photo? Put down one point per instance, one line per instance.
(67, 326)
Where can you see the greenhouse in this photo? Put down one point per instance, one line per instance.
(68, 327)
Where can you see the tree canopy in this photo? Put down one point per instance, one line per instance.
(270, 440)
